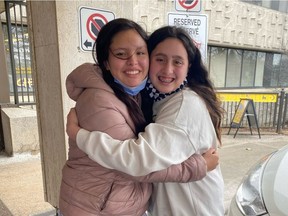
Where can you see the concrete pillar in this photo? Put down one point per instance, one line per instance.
(54, 35)
(48, 81)
(4, 81)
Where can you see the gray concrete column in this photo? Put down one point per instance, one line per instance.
(4, 81)
(47, 78)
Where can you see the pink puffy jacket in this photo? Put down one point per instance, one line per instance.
(89, 189)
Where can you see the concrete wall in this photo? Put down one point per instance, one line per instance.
(237, 24)
(231, 23)
(54, 34)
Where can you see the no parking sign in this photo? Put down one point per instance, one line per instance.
(91, 21)
(188, 5)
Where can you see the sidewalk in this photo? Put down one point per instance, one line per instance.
(21, 186)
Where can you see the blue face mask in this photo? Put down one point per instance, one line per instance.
(132, 90)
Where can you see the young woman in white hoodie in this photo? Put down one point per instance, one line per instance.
(186, 114)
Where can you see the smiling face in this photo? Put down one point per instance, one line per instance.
(168, 65)
(128, 58)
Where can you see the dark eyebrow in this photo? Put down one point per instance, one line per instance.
(178, 57)
(123, 48)
(160, 54)
(117, 49)
(164, 55)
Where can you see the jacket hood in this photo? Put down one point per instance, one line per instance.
(85, 76)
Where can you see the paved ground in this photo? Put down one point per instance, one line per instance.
(21, 188)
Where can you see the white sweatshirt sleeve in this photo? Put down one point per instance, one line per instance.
(159, 147)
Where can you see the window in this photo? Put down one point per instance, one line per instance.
(248, 69)
(271, 70)
(283, 74)
(218, 65)
(259, 71)
(233, 75)
(236, 68)
(278, 5)
(283, 6)
(21, 55)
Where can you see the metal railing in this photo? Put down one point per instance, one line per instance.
(272, 115)
(20, 73)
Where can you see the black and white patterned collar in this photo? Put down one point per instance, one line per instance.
(156, 95)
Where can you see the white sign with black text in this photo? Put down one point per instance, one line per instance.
(195, 25)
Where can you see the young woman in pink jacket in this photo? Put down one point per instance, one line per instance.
(108, 99)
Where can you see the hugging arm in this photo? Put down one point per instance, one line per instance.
(154, 149)
(193, 169)
(133, 161)
(137, 157)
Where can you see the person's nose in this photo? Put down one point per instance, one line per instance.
(132, 60)
(168, 68)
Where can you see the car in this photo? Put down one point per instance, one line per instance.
(264, 189)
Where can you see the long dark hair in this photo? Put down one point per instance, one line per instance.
(100, 55)
(198, 76)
